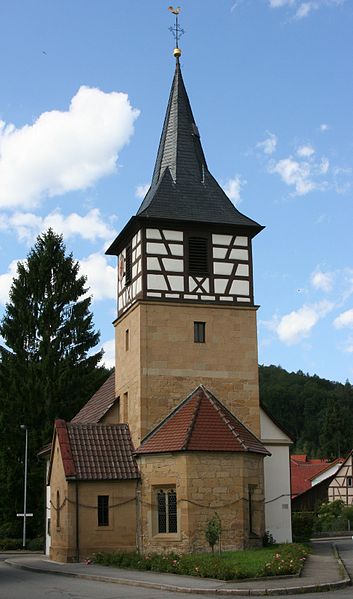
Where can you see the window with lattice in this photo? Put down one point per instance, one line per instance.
(166, 511)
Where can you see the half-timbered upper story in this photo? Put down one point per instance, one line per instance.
(341, 486)
(187, 241)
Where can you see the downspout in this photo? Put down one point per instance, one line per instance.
(138, 517)
(77, 524)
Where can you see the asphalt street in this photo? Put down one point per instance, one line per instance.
(24, 584)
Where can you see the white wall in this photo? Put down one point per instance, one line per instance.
(277, 480)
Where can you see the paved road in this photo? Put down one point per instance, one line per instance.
(23, 584)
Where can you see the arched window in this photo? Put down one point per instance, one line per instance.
(167, 511)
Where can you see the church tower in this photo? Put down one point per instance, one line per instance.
(186, 312)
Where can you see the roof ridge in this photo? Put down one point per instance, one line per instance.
(193, 420)
(219, 408)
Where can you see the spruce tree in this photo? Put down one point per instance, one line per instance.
(47, 370)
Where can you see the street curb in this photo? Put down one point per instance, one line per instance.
(341, 565)
(309, 588)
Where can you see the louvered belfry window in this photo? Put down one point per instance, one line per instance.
(128, 265)
(167, 511)
(198, 256)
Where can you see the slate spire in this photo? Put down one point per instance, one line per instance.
(182, 187)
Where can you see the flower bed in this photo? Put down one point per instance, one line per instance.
(277, 560)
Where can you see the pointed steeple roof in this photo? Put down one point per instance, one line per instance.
(201, 423)
(182, 186)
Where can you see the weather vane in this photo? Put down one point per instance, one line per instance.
(177, 31)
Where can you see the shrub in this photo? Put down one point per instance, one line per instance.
(10, 544)
(329, 516)
(302, 525)
(213, 531)
(267, 539)
(36, 544)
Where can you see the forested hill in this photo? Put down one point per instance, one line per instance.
(316, 412)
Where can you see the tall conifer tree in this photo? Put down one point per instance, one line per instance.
(46, 368)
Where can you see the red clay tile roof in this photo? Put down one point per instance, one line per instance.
(99, 404)
(201, 423)
(65, 448)
(97, 451)
(302, 472)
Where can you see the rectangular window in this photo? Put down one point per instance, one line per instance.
(128, 265)
(251, 489)
(103, 510)
(167, 511)
(349, 481)
(199, 332)
(198, 256)
(127, 340)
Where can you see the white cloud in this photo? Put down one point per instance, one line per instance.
(268, 145)
(6, 282)
(64, 151)
(101, 277)
(301, 174)
(324, 127)
(232, 188)
(141, 190)
(280, 3)
(297, 325)
(305, 151)
(345, 319)
(322, 280)
(294, 173)
(109, 353)
(303, 9)
(343, 180)
(28, 226)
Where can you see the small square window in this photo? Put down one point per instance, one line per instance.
(199, 332)
(103, 510)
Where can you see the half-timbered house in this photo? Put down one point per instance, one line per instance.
(341, 486)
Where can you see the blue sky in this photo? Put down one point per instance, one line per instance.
(84, 87)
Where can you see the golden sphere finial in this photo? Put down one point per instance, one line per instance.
(177, 52)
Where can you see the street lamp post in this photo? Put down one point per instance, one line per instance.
(24, 428)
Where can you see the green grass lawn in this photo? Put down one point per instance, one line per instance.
(276, 560)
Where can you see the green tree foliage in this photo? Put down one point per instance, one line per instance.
(316, 412)
(47, 369)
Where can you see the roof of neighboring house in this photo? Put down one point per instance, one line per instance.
(304, 469)
(201, 423)
(99, 404)
(96, 451)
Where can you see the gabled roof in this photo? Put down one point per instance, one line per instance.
(99, 404)
(304, 470)
(201, 423)
(96, 451)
